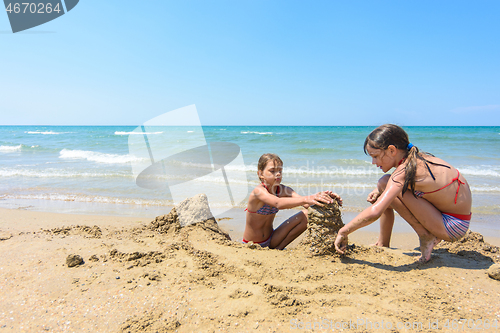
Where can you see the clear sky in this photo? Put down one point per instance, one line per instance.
(252, 62)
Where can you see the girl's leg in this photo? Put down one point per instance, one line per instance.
(387, 218)
(289, 230)
(386, 224)
(425, 219)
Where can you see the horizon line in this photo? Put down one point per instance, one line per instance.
(263, 125)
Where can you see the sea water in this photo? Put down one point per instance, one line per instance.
(88, 169)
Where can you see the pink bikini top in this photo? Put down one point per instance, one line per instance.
(456, 179)
(266, 209)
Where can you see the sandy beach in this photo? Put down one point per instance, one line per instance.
(140, 277)
(115, 116)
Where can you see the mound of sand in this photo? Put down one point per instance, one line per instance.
(471, 246)
(169, 225)
(86, 231)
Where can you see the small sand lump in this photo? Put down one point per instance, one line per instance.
(494, 271)
(74, 260)
(5, 236)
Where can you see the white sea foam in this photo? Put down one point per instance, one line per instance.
(194, 165)
(337, 186)
(331, 171)
(135, 133)
(229, 167)
(208, 178)
(334, 186)
(97, 157)
(240, 167)
(89, 199)
(57, 173)
(220, 180)
(47, 132)
(485, 188)
(10, 148)
(302, 171)
(485, 170)
(261, 133)
(108, 200)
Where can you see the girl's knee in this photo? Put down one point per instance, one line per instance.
(382, 182)
(305, 219)
(302, 226)
(304, 215)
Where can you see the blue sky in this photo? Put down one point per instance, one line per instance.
(256, 63)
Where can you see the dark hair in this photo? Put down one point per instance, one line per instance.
(384, 136)
(266, 158)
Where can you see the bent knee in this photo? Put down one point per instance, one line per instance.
(302, 226)
(304, 216)
(382, 182)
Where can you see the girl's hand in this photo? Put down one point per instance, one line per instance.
(320, 198)
(373, 196)
(335, 196)
(341, 243)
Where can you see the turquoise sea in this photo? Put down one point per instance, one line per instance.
(88, 169)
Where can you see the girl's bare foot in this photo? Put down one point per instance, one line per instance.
(379, 243)
(427, 243)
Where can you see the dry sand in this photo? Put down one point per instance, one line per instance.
(144, 277)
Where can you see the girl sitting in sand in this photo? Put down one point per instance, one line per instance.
(271, 196)
(427, 192)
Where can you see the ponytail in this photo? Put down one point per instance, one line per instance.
(411, 168)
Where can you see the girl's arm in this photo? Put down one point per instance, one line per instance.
(331, 194)
(290, 198)
(369, 215)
